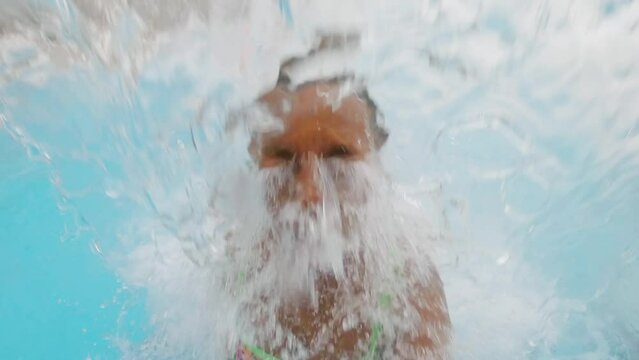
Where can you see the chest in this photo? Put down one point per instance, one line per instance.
(332, 325)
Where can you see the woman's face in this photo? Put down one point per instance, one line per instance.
(318, 127)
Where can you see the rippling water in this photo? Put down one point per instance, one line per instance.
(514, 128)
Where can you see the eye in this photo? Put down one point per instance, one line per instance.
(338, 151)
(283, 154)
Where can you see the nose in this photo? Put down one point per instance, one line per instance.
(306, 176)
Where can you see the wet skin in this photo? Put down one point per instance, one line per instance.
(313, 131)
(316, 128)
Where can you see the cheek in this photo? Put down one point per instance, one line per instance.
(278, 189)
(343, 187)
(346, 185)
(349, 193)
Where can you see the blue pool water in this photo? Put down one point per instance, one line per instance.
(45, 281)
(514, 127)
(60, 299)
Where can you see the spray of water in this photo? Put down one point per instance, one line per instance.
(513, 149)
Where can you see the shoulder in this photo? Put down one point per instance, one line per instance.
(431, 334)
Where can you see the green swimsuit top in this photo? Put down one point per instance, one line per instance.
(385, 300)
(260, 354)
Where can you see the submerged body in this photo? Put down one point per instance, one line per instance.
(366, 304)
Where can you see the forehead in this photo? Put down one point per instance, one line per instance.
(322, 105)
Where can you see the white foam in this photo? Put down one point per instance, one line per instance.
(559, 80)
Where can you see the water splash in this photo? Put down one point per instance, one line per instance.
(513, 127)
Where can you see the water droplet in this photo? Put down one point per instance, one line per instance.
(503, 259)
(95, 247)
(113, 194)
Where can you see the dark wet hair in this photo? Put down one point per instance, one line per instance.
(380, 134)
